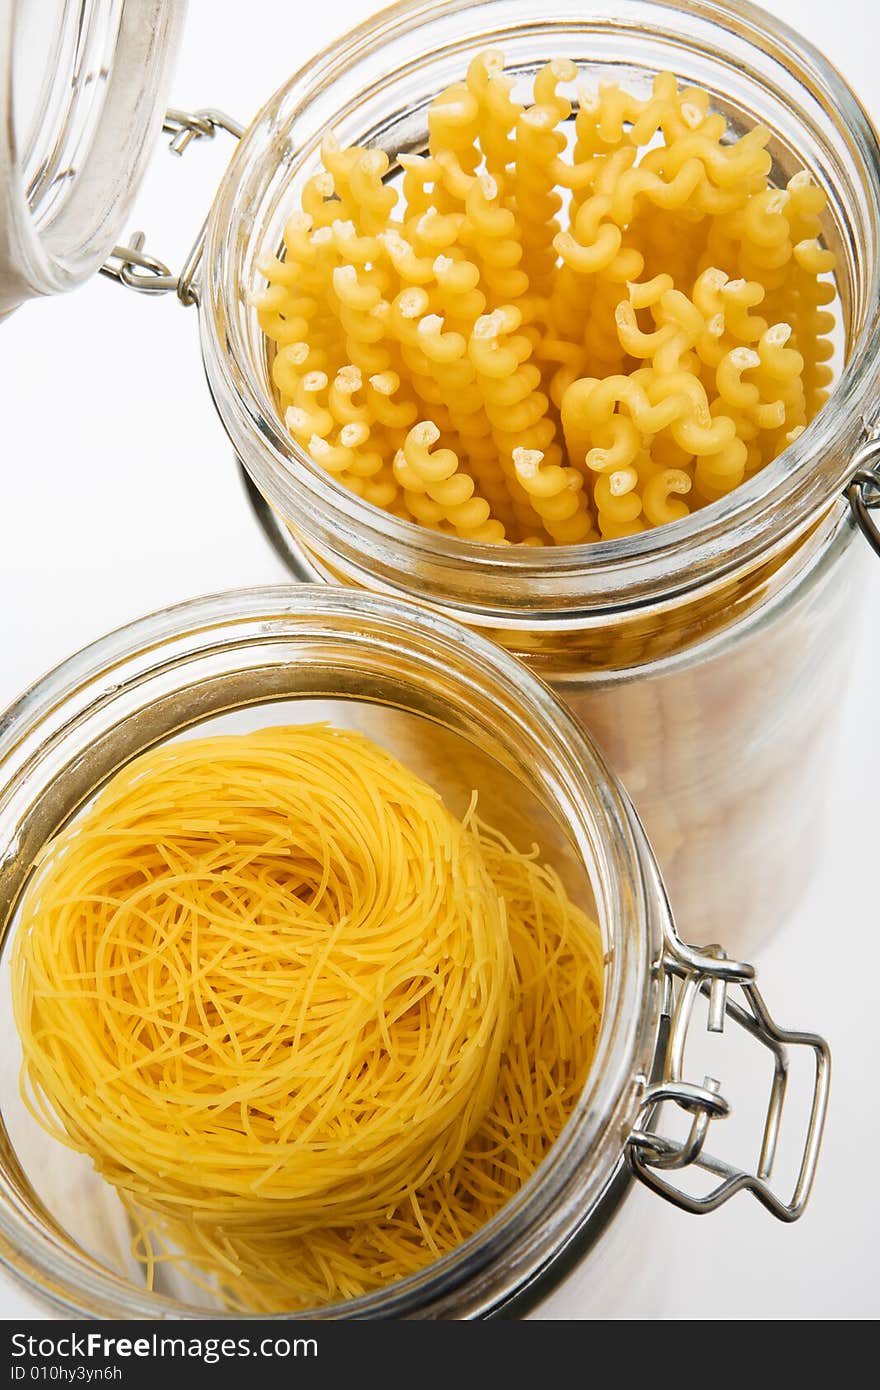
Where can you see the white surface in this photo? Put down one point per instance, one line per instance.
(118, 495)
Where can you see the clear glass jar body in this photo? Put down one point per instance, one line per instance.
(685, 648)
(460, 713)
(726, 749)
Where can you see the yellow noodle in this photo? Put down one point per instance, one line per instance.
(312, 1028)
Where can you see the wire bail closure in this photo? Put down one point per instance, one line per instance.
(863, 490)
(689, 973)
(135, 267)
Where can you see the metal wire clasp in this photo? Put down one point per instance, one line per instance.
(863, 489)
(132, 265)
(689, 973)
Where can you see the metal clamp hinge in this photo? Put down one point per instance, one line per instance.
(132, 265)
(688, 974)
(863, 489)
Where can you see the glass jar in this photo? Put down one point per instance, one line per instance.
(466, 715)
(708, 655)
(82, 99)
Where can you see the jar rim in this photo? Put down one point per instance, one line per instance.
(489, 582)
(53, 722)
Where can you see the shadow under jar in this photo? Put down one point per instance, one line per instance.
(464, 715)
(707, 656)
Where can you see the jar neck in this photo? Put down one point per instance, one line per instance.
(576, 646)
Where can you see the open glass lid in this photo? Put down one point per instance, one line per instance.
(82, 96)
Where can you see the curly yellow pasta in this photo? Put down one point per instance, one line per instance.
(556, 494)
(499, 113)
(425, 471)
(538, 143)
(606, 332)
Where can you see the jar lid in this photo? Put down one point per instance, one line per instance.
(82, 95)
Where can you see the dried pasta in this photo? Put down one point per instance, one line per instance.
(312, 1050)
(604, 330)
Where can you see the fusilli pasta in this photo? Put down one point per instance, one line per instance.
(529, 338)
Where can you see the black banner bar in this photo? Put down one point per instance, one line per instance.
(261, 1354)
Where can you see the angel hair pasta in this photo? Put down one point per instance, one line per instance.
(311, 1050)
(547, 338)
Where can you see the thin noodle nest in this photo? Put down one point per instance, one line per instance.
(312, 1028)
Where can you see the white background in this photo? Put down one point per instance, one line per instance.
(118, 495)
